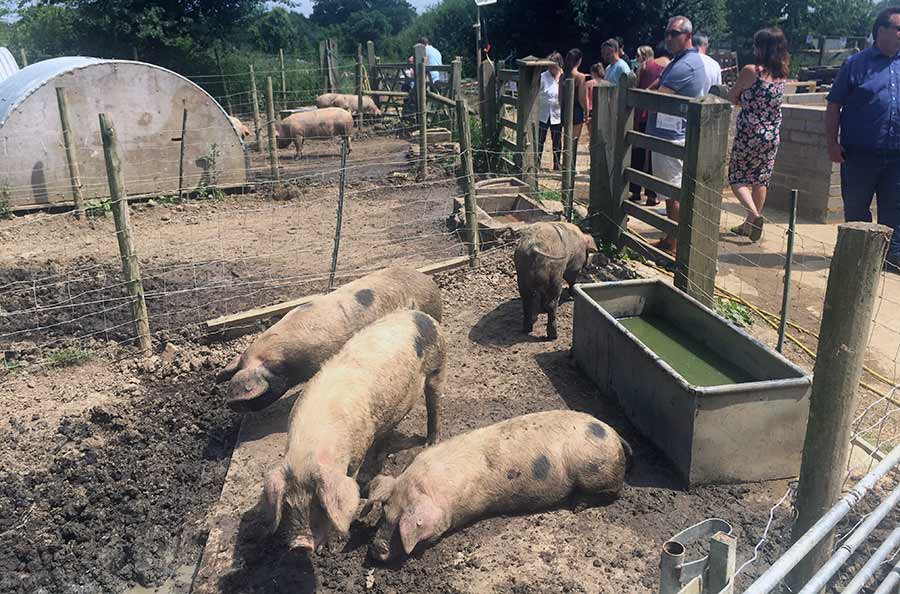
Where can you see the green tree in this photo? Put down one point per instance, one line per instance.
(367, 24)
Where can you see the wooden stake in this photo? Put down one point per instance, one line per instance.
(283, 79)
(529, 86)
(359, 86)
(489, 115)
(602, 123)
(270, 126)
(71, 159)
(254, 99)
(568, 167)
(465, 145)
(621, 159)
(181, 154)
(130, 264)
(340, 216)
(24, 57)
(701, 197)
(850, 297)
(422, 108)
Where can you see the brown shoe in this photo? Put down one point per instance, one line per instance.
(756, 228)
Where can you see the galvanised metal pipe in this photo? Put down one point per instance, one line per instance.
(889, 585)
(821, 578)
(868, 570)
(771, 578)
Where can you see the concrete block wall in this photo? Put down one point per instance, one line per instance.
(803, 164)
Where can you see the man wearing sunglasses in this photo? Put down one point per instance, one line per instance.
(864, 102)
(686, 76)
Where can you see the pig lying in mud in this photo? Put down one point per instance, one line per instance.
(321, 124)
(293, 350)
(547, 254)
(348, 102)
(239, 127)
(527, 463)
(358, 396)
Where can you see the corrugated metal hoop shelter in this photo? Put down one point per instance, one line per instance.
(8, 65)
(145, 102)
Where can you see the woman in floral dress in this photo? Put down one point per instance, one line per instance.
(759, 91)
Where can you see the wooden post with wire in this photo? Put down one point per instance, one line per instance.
(621, 159)
(455, 85)
(270, 126)
(601, 135)
(359, 86)
(254, 99)
(567, 103)
(489, 122)
(283, 79)
(130, 264)
(703, 176)
(850, 296)
(788, 264)
(422, 108)
(71, 158)
(181, 142)
(465, 145)
(24, 57)
(340, 216)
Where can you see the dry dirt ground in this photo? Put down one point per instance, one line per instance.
(109, 468)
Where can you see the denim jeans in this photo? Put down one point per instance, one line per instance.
(865, 173)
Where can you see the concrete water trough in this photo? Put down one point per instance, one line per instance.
(722, 406)
(503, 210)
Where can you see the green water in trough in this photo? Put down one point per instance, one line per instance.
(694, 361)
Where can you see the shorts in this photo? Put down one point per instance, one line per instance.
(668, 169)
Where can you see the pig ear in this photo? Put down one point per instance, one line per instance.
(274, 495)
(229, 371)
(419, 524)
(339, 497)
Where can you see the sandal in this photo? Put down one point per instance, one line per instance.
(740, 230)
(756, 228)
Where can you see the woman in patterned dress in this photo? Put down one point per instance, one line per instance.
(759, 91)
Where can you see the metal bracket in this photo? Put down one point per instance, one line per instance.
(675, 572)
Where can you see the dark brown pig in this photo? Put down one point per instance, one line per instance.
(294, 349)
(548, 254)
(527, 463)
(359, 395)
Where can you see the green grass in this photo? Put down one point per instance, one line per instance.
(736, 313)
(12, 366)
(68, 356)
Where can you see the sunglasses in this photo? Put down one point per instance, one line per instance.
(892, 27)
(674, 33)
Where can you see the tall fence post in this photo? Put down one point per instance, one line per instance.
(372, 62)
(130, 264)
(181, 143)
(340, 217)
(24, 57)
(490, 108)
(323, 65)
(270, 126)
(422, 108)
(846, 322)
(333, 79)
(283, 79)
(455, 84)
(601, 132)
(526, 123)
(621, 159)
(465, 141)
(224, 82)
(567, 103)
(71, 158)
(254, 99)
(359, 86)
(479, 74)
(788, 264)
(706, 142)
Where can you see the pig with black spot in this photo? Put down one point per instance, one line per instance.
(294, 349)
(527, 463)
(548, 254)
(360, 395)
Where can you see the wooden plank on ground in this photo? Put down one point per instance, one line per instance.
(651, 217)
(245, 321)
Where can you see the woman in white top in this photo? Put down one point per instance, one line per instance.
(548, 110)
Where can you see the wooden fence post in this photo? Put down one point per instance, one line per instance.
(254, 99)
(323, 65)
(465, 141)
(455, 86)
(181, 142)
(567, 103)
(359, 86)
(270, 126)
(333, 78)
(224, 82)
(283, 79)
(490, 111)
(71, 158)
(340, 216)
(422, 108)
(720, 573)
(703, 176)
(24, 57)
(602, 125)
(119, 203)
(372, 62)
(846, 323)
(621, 159)
(526, 123)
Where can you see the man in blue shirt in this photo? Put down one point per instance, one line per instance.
(864, 102)
(615, 65)
(434, 59)
(685, 75)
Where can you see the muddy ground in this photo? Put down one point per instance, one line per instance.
(109, 467)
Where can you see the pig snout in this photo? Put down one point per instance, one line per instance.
(254, 389)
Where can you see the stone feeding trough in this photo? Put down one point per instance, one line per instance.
(722, 406)
(503, 209)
